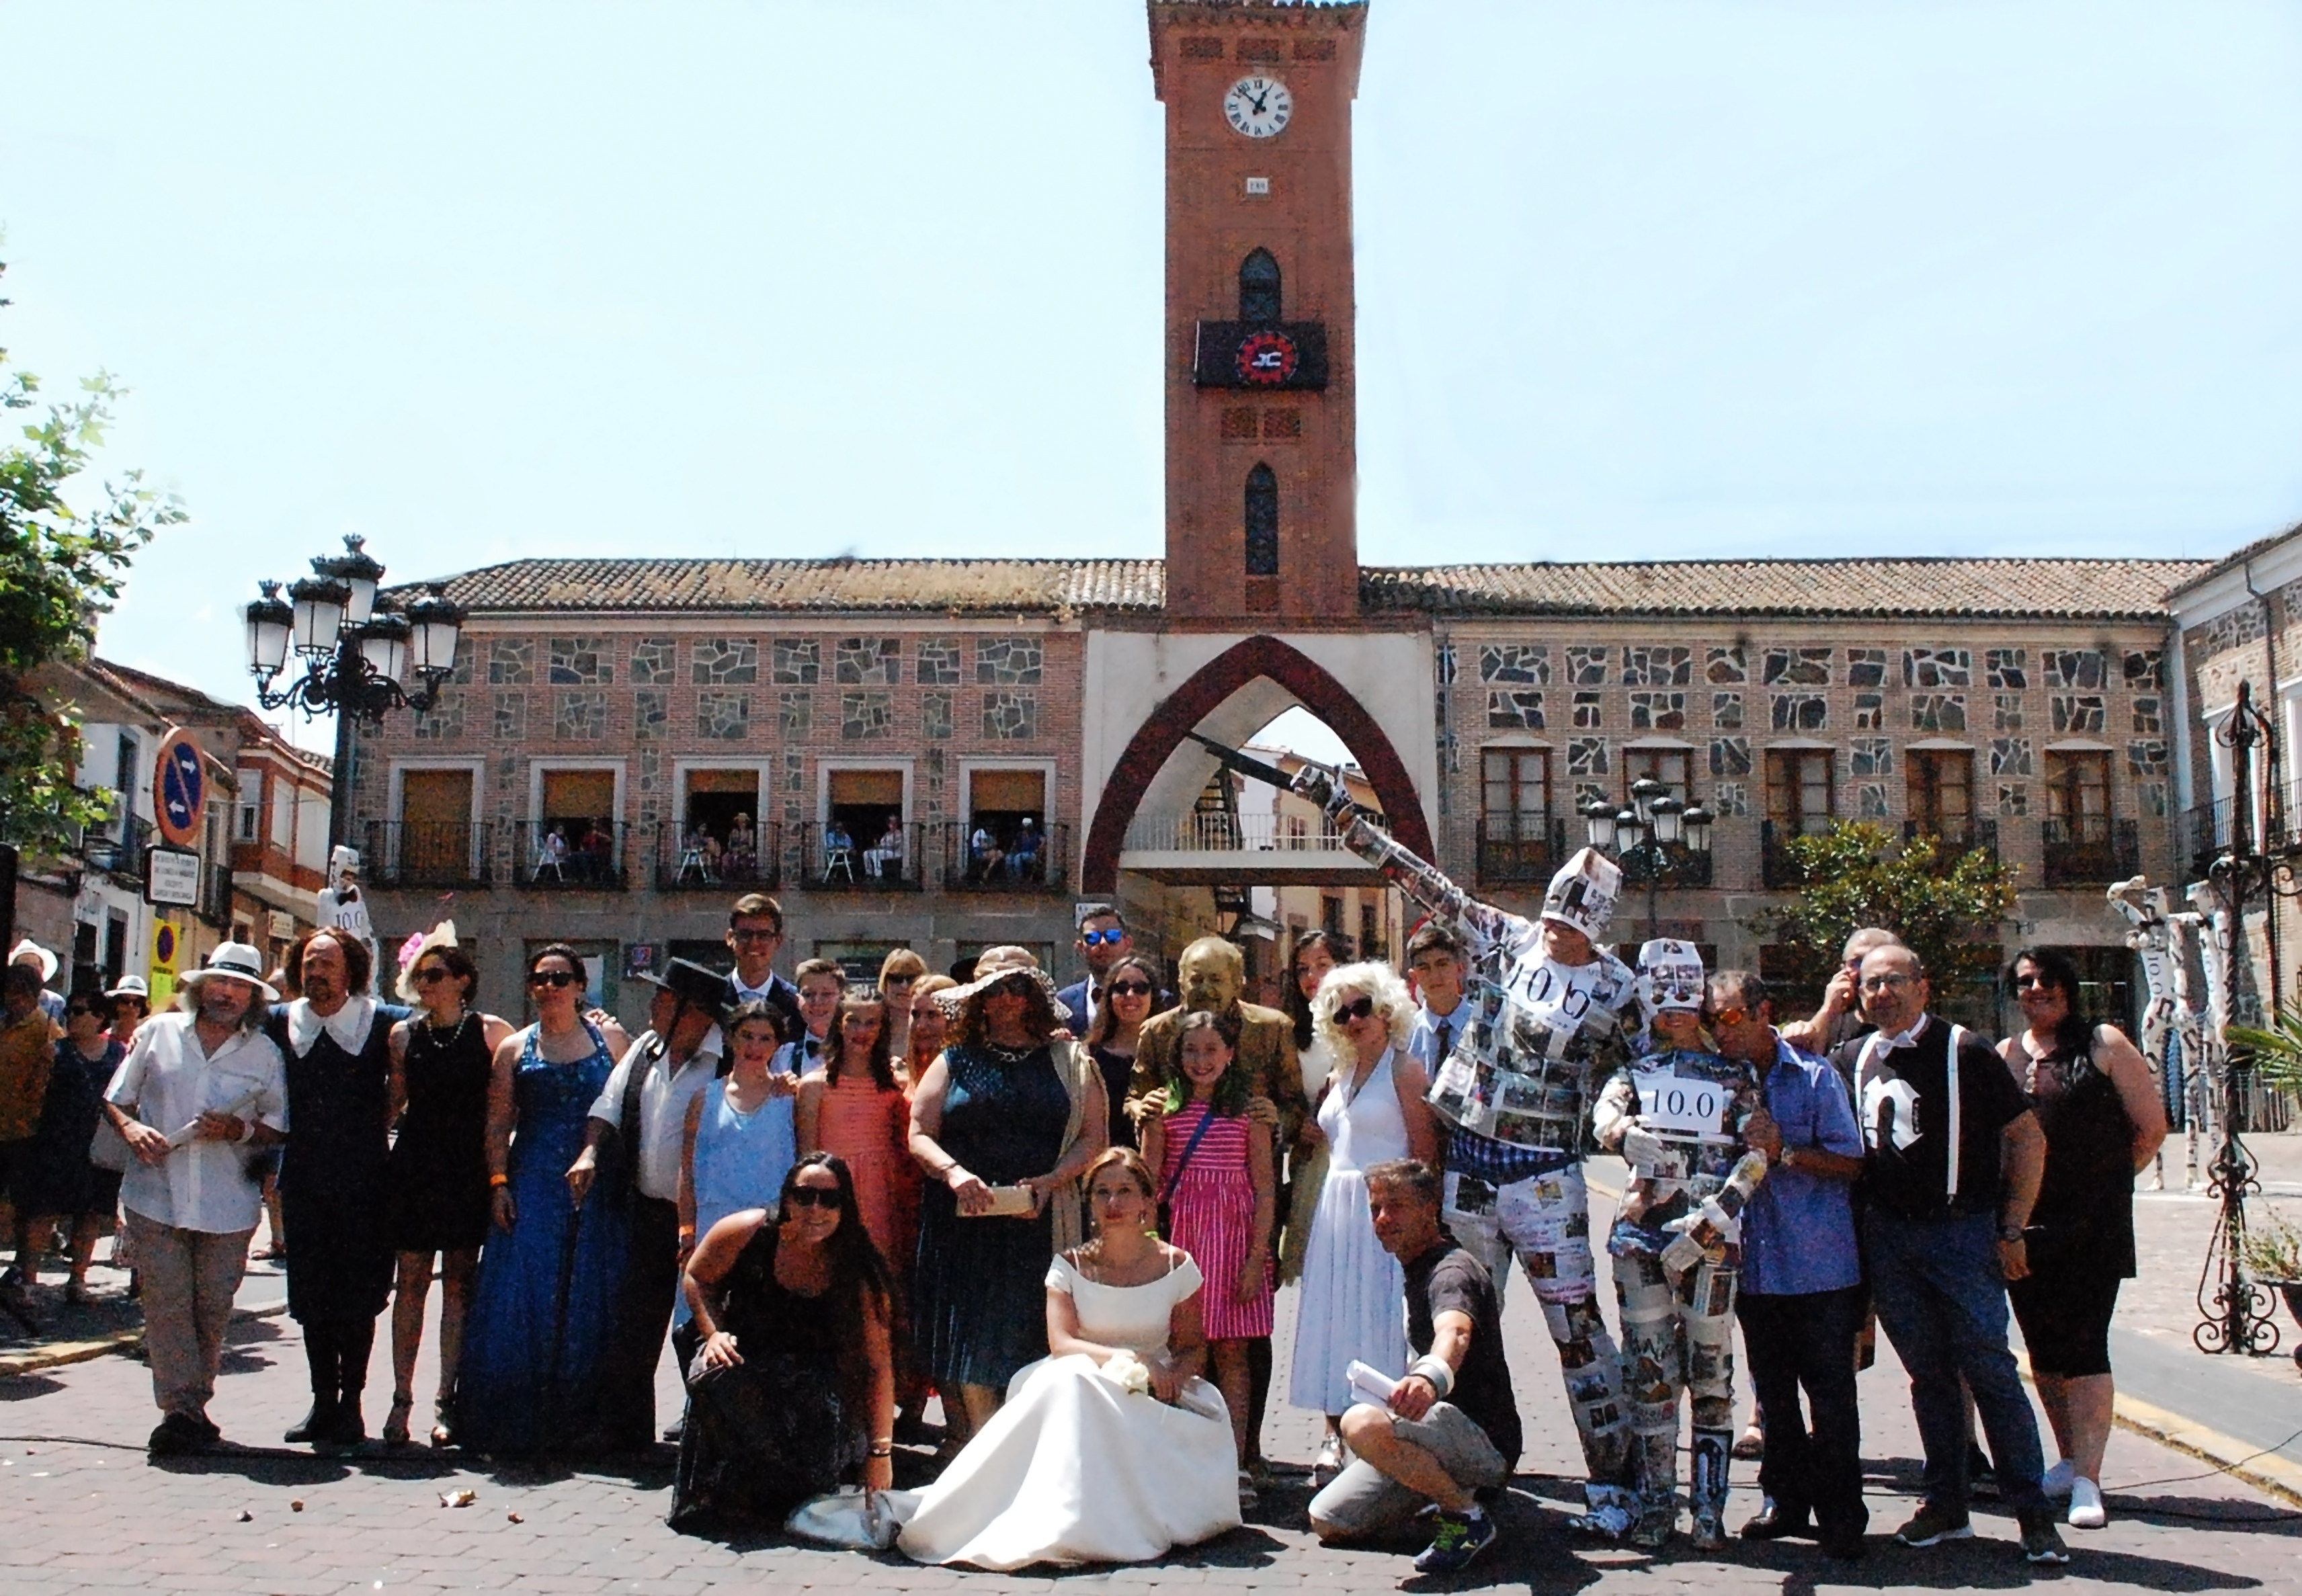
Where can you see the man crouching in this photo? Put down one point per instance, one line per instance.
(1449, 1430)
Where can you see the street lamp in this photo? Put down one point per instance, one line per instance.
(1658, 838)
(2236, 1316)
(354, 653)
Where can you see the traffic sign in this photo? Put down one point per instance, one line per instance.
(180, 788)
(171, 876)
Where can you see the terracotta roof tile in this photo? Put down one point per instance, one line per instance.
(2076, 589)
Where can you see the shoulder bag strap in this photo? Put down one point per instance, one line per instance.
(1206, 1123)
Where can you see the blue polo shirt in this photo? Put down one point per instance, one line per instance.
(1798, 1229)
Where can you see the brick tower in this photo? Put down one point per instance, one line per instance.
(1262, 456)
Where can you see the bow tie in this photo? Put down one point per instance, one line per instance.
(1900, 1039)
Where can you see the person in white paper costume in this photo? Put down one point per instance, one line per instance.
(341, 907)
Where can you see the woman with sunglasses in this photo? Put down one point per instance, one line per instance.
(791, 1392)
(1371, 1110)
(61, 1183)
(130, 1004)
(900, 973)
(1130, 990)
(522, 1330)
(437, 1201)
(2092, 1091)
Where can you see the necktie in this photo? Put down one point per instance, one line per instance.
(1446, 1041)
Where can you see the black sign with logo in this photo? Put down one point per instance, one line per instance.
(1278, 355)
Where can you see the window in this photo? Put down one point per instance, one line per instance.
(1004, 800)
(435, 827)
(1517, 805)
(864, 802)
(579, 807)
(717, 800)
(248, 826)
(1262, 522)
(1942, 792)
(2078, 796)
(1799, 790)
(124, 779)
(1258, 289)
(1667, 766)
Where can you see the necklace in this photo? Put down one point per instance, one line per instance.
(444, 1039)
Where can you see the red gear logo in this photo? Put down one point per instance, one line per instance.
(1267, 358)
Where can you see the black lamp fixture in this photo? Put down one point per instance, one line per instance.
(356, 656)
(1658, 838)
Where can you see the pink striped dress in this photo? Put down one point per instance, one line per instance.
(1214, 1210)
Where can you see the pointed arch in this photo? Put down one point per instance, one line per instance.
(1208, 688)
(1259, 288)
(1262, 521)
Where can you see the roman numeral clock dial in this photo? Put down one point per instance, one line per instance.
(1258, 107)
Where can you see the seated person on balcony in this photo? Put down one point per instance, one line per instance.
(983, 853)
(598, 850)
(1023, 858)
(838, 847)
(551, 854)
(743, 847)
(698, 852)
(888, 850)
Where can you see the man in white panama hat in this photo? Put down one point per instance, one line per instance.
(31, 953)
(202, 1088)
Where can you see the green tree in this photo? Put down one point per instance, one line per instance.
(61, 567)
(1946, 906)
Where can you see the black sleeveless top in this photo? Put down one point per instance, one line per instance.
(765, 1316)
(2088, 1188)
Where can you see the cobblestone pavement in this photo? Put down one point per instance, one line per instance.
(92, 1514)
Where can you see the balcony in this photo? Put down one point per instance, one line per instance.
(1520, 849)
(833, 861)
(1038, 867)
(1214, 847)
(2091, 850)
(1955, 836)
(689, 862)
(216, 895)
(427, 853)
(117, 848)
(552, 854)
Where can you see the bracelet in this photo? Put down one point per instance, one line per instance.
(883, 1448)
(499, 1179)
(1435, 1371)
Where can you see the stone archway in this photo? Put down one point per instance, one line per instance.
(1181, 711)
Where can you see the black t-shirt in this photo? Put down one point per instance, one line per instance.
(1903, 1099)
(1447, 1279)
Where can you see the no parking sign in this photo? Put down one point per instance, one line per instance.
(179, 789)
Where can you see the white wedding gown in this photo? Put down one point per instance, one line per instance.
(1077, 1469)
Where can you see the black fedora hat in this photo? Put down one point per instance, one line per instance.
(694, 985)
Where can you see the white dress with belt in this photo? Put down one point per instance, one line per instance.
(1354, 1293)
(1077, 1469)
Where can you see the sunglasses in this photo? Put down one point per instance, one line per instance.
(901, 980)
(812, 1197)
(2023, 983)
(1359, 1008)
(435, 974)
(77, 1010)
(552, 977)
(1110, 938)
(1725, 1017)
(1129, 989)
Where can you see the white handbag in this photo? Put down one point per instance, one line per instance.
(852, 1518)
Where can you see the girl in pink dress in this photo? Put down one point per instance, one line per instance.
(852, 1104)
(1217, 1177)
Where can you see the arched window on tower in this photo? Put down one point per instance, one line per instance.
(1262, 522)
(1258, 289)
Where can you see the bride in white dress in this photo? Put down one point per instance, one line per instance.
(1112, 1450)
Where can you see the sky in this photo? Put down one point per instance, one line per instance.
(1661, 278)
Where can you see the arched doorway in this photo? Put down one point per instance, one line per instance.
(1164, 731)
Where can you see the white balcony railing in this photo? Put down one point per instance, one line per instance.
(1217, 833)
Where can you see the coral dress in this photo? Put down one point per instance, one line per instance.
(871, 1129)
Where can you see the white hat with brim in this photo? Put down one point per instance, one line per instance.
(131, 985)
(442, 934)
(953, 999)
(47, 960)
(235, 960)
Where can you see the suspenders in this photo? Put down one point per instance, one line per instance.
(1949, 1163)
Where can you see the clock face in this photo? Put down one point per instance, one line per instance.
(1258, 107)
(1267, 357)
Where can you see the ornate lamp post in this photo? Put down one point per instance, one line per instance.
(2234, 1312)
(353, 657)
(1657, 839)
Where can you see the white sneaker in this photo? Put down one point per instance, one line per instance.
(2057, 1483)
(2086, 1511)
(1329, 1462)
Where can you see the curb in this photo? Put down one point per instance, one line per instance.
(56, 1354)
(2266, 1472)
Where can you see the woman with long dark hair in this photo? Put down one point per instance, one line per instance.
(2092, 1092)
(1316, 953)
(792, 1391)
(852, 1104)
(1130, 991)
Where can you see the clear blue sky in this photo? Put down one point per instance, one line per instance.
(484, 281)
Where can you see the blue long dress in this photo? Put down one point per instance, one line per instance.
(980, 1302)
(501, 1402)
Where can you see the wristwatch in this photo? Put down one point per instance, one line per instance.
(2010, 1232)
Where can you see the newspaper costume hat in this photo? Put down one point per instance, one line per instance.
(1670, 977)
(1582, 893)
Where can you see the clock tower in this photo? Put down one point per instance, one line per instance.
(1262, 459)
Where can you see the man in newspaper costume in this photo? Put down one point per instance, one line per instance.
(1679, 1117)
(1544, 1011)
(339, 907)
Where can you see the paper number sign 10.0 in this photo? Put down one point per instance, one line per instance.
(1671, 1102)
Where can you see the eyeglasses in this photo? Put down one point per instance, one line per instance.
(433, 975)
(1718, 1017)
(551, 977)
(1359, 1008)
(1106, 938)
(1129, 989)
(1887, 983)
(812, 1197)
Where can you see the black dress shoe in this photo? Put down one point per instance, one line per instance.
(315, 1425)
(348, 1430)
(1773, 1521)
(179, 1435)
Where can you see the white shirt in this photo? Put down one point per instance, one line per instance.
(665, 1093)
(202, 1184)
(1423, 1046)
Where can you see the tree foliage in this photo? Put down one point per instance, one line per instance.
(1944, 905)
(61, 567)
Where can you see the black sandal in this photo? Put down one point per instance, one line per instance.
(395, 1423)
(443, 1421)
